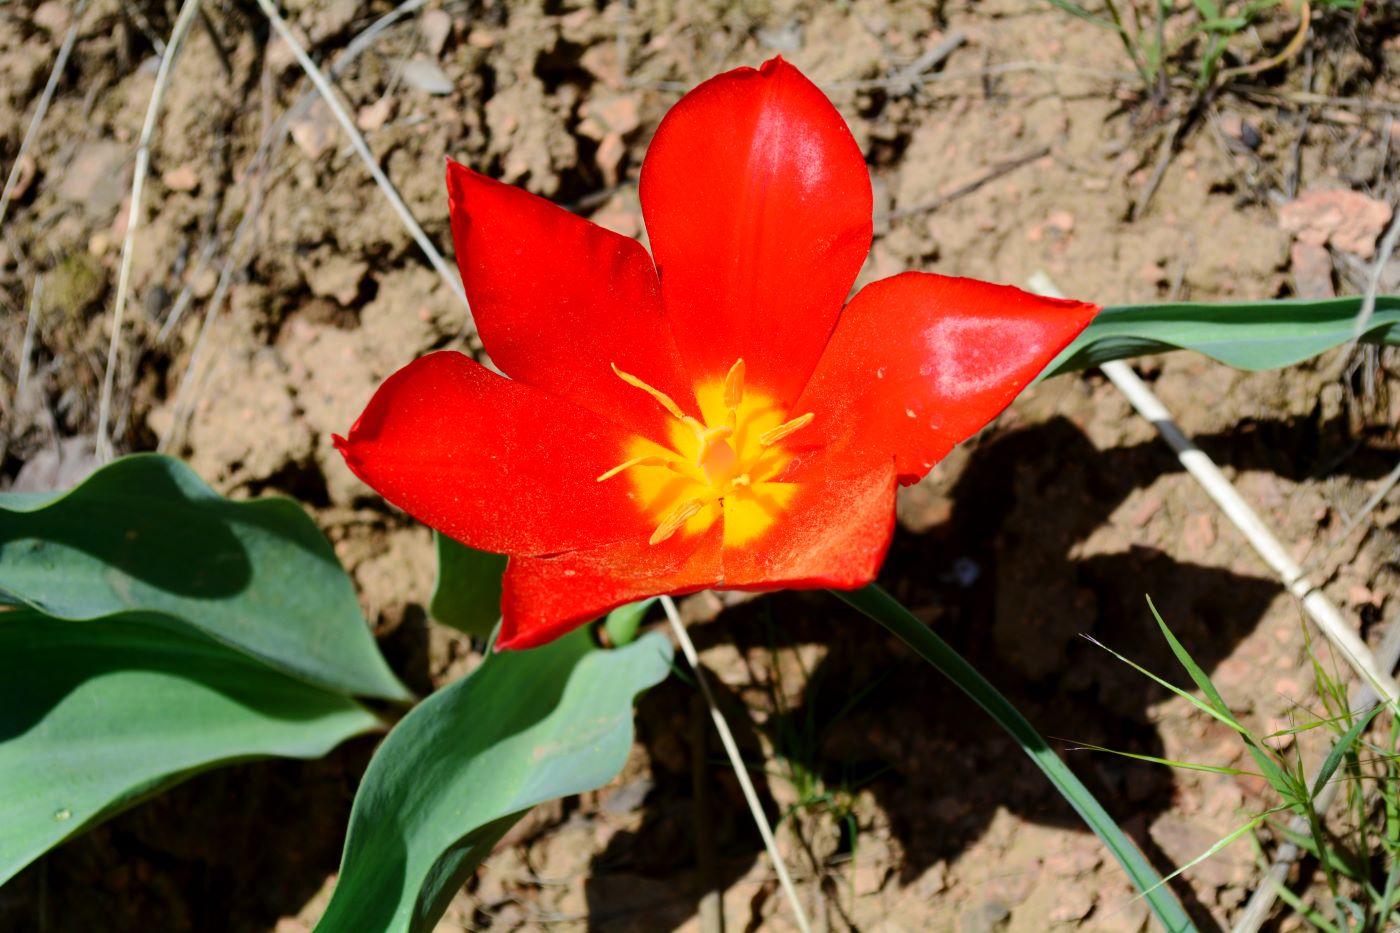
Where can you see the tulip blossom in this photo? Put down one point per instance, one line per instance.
(714, 414)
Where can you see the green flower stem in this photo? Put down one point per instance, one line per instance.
(880, 606)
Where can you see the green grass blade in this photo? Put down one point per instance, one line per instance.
(878, 605)
(1340, 749)
(1247, 335)
(1221, 713)
(1075, 9)
(1153, 759)
(1222, 843)
(1198, 676)
(1276, 776)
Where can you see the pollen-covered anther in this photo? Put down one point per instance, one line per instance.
(769, 438)
(734, 386)
(675, 519)
(634, 462)
(666, 401)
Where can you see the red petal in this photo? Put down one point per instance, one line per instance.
(545, 597)
(921, 362)
(558, 299)
(757, 201)
(496, 464)
(834, 534)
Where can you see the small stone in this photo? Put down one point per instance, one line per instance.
(985, 918)
(314, 131)
(1072, 904)
(1312, 270)
(373, 116)
(1061, 221)
(1349, 220)
(181, 178)
(427, 77)
(52, 17)
(436, 26)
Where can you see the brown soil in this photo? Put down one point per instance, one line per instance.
(906, 809)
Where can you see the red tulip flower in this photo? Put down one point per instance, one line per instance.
(714, 414)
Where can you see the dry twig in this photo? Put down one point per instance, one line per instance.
(741, 771)
(357, 140)
(31, 133)
(183, 22)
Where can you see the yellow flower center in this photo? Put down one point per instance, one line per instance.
(721, 467)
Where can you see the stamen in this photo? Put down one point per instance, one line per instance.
(742, 479)
(734, 386)
(652, 460)
(657, 394)
(769, 438)
(678, 516)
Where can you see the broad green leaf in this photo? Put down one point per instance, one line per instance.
(622, 623)
(1246, 335)
(145, 534)
(878, 605)
(466, 763)
(97, 715)
(468, 591)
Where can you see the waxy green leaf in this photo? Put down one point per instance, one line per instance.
(145, 534)
(95, 716)
(1246, 335)
(460, 769)
(468, 591)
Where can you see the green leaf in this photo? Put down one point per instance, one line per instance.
(95, 716)
(1246, 335)
(468, 591)
(878, 605)
(622, 623)
(145, 534)
(464, 765)
(1342, 746)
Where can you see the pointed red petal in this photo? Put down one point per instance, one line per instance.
(496, 464)
(546, 597)
(834, 534)
(920, 362)
(757, 201)
(558, 300)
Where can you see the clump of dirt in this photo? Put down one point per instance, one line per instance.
(1023, 149)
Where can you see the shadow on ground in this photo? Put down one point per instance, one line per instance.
(999, 579)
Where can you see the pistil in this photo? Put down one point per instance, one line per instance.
(725, 456)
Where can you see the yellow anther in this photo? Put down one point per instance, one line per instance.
(734, 386)
(657, 394)
(769, 438)
(675, 519)
(635, 461)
